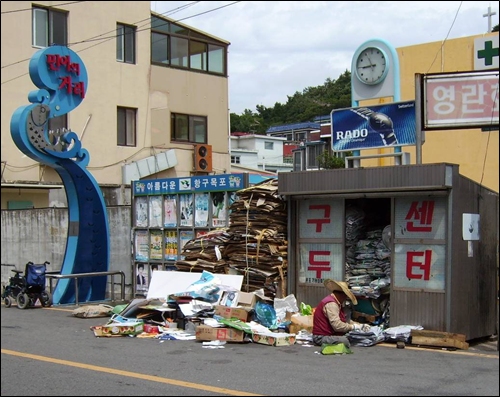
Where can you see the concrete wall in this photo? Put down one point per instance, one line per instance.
(39, 235)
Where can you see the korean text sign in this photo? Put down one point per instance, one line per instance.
(420, 243)
(460, 100)
(320, 240)
(194, 184)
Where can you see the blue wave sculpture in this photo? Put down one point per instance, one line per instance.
(62, 79)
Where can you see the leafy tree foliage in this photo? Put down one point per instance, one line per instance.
(301, 107)
(328, 160)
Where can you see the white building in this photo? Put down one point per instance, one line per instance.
(258, 153)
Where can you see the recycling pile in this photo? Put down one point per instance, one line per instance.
(254, 245)
(257, 246)
(369, 265)
(367, 257)
(205, 253)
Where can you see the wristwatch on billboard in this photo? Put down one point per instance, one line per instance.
(380, 123)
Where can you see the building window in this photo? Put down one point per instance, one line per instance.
(179, 52)
(312, 153)
(235, 160)
(216, 59)
(269, 145)
(125, 43)
(198, 55)
(20, 205)
(126, 123)
(188, 128)
(159, 48)
(50, 27)
(178, 46)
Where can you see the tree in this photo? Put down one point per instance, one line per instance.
(300, 107)
(329, 161)
(247, 122)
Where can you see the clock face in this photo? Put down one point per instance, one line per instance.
(371, 66)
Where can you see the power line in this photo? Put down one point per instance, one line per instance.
(105, 39)
(29, 9)
(446, 38)
(98, 37)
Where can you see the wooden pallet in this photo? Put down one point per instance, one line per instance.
(438, 339)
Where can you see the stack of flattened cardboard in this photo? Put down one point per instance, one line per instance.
(254, 245)
(205, 253)
(258, 246)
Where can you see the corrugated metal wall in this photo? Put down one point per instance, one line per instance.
(469, 303)
(473, 288)
(427, 309)
(406, 178)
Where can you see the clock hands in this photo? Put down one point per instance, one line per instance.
(371, 65)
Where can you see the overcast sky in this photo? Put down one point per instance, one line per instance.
(279, 48)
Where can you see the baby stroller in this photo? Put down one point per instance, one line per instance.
(27, 289)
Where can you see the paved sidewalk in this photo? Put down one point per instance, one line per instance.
(485, 345)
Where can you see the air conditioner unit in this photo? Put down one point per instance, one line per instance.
(203, 158)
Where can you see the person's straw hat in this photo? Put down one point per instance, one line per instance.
(333, 285)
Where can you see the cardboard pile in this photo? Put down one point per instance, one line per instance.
(240, 306)
(258, 246)
(205, 253)
(254, 245)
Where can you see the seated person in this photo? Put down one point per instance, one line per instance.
(331, 319)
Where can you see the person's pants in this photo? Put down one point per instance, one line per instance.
(331, 340)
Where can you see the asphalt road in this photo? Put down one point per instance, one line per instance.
(48, 351)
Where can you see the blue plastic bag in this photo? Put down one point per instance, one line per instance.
(266, 315)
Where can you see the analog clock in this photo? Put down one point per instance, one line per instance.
(372, 66)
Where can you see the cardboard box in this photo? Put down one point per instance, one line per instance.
(296, 328)
(229, 298)
(205, 332)
(301, 320)
(274, 338)
(239, 313)
(246, 299)
(119, 329)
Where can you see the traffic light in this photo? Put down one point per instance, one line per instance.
(203, 158)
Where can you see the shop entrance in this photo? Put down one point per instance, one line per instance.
(368, 257)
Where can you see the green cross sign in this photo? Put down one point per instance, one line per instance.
(488, 53)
